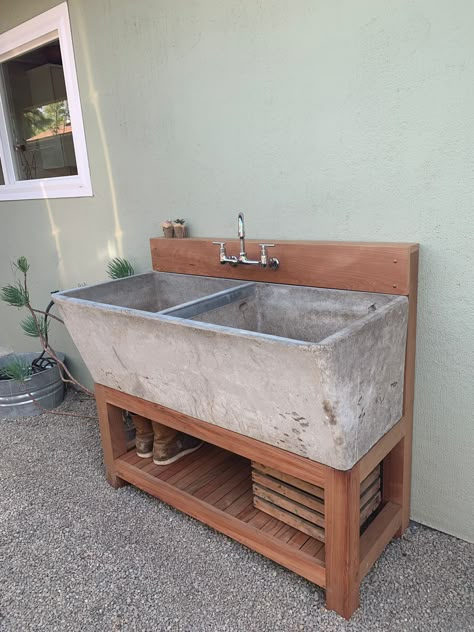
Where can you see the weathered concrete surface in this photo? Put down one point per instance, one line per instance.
(328, 396)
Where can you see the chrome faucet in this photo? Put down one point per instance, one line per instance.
(264, 261)
(241, 232)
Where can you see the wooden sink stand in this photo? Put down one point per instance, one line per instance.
(214, 484)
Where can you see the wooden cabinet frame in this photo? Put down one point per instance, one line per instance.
(340, 563)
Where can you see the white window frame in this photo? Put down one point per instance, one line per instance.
(44, 28)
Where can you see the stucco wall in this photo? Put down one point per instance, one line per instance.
(323, 120)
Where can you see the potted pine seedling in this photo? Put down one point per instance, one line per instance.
(33, 383)
(168, 228)
(30, 382)
(179, 226)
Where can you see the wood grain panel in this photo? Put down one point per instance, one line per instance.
(397, 472)
(288, 505)
(265, 470)
(367, 482)
(367, 267)
(342, 541)
(289, 518)
(113, 436)
(380, 450)
(295, 494)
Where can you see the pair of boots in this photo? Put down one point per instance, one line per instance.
(163, 443)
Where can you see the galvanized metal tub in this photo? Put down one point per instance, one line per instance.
(46, 387)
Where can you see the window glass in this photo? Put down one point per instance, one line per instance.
(40, 125)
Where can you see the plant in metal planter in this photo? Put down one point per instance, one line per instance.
(25, 391)
(30, 383)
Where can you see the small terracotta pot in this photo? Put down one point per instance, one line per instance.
(168, 231)
(179, 231)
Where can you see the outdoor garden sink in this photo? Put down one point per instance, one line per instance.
(314, 371)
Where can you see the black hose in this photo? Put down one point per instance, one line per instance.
(42, 362)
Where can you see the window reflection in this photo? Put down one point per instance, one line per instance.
(40, 124)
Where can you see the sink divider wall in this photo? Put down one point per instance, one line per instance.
(210, 302)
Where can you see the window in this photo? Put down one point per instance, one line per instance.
(42, 144)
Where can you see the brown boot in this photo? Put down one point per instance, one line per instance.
(144, 436)
(170, 445)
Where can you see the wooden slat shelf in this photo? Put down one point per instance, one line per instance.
(301, 505)
(222, 482)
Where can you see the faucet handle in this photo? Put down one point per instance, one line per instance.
(271, 262)
(222, 252)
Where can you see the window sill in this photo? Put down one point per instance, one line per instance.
(41, 189)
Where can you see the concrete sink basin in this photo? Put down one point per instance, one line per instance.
(314, 371)
(149, 292)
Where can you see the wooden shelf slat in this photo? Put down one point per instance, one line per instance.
(240, 503)
(249, 512)
(370, 493)
(219, 472)
(227, 505)
(291, 492)
(204, 469)
(367, 482)
(259, 520)
(181, 468)
(216, 483)
(298, 539)
(312, 547)
(288, 518)
(288, 505)
(286, 533)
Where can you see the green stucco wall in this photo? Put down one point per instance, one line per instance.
(321, 120)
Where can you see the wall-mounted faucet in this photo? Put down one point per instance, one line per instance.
(264, 261)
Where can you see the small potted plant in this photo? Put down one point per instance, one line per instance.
(168, 228)
(179, 226)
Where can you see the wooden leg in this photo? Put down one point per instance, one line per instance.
(342, 500)
(114, 440)
(397, 480)
(398, 467)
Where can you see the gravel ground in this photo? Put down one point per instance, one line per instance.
(76, 554)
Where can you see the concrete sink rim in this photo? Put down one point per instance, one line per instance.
(351, 328)
(183, 313)
(65, 295)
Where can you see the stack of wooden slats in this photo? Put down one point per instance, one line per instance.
(300, 504)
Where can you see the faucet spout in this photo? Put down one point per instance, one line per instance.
(241, 233)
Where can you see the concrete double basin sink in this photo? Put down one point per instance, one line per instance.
(317, 372)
